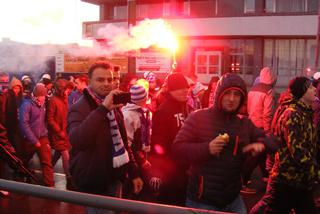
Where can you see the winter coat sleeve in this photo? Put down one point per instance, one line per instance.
(258, 135)
(268, 109)
(131, 126)
(186, 148)
(51, 114)
(25, 112)
(82, 129)
(298, 141)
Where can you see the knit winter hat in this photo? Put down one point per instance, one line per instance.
(39, 90)
(46, 76)
(138, 93)
(26, 77)
(176, 81)
(299, 86)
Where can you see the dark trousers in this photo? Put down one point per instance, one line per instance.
(44, 154)
(251, 163)
(281, 198)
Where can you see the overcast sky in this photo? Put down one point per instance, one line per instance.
(45, 21)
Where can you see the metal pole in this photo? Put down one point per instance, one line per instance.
(98, 201)
(316, 61)
(131, 22)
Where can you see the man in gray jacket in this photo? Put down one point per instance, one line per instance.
(216, 163)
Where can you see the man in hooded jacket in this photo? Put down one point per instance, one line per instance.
(260, 106)
(216, 163)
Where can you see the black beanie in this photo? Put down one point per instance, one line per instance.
(299, 86)
(176, 81)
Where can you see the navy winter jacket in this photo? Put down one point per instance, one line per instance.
(32, 121)
(216, 180)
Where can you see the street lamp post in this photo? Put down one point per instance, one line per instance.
(131, 22)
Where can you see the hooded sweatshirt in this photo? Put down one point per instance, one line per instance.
(216, 180)
(15, 82)
(261, 101)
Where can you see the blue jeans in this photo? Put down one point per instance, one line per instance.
(237, 206)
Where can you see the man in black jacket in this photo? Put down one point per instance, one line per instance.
(216, 162)
(100, 155)
(166, 122)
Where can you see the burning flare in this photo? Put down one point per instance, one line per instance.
(147, 33)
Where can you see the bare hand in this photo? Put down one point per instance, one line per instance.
(216, 146)
(254, 148)
(137, 185)
(146, 165)
(155, 183)
(108, 100)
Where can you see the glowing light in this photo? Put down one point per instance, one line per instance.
(159, 149)
(144, 83)
(155, 32)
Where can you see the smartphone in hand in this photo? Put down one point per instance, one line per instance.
(122, 98)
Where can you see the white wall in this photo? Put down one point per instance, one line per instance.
(304, 25)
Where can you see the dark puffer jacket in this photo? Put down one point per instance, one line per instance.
(216, 180)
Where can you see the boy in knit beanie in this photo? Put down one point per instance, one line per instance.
(137, 122)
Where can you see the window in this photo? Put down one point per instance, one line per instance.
(249, 6)
(208, 62)
(202, 8)
(289, 57)
(287, 6)
(152, 10)
(230, 8)
(120, 12)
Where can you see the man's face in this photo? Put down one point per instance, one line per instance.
(310, 95)
(116, 79)
(41, 99)
(152, 85)
(101, 81)
(16, 90)
(181, 95)
(4, 83)
(231, 100)
(80, 85)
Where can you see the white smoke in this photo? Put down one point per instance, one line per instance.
(147, 33)
(17, 57)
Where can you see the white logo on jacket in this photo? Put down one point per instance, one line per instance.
(180, 119)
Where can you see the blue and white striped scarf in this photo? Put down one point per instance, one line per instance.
(119, 152)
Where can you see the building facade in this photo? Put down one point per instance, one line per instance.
(219, 36)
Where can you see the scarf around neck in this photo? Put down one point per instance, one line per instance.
(119, 154)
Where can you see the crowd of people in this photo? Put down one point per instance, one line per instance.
(174, 142)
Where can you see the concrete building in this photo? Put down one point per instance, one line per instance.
(219, 36)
